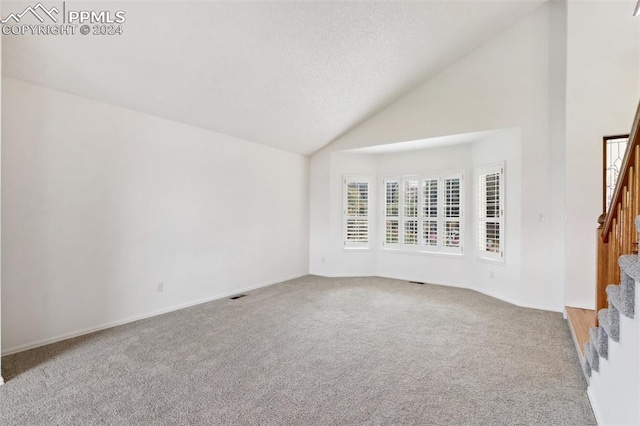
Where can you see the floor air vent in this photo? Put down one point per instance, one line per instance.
(415, 282)
(238, 296)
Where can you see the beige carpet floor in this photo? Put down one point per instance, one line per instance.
(312, 351)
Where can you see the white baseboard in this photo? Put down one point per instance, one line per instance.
(414, 279)
(594, 407)
(588, 308)
(349, 275)
(518, 303)
(486, 293)
(77, 333)
(111, 324)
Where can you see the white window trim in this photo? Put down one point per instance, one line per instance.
(386, 245)
(439, 248)
(350, 245)
(404, 218)
(485, 255)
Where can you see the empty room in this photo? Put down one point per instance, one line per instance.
(320, 212)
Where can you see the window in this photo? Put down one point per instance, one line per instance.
(430, 212)
(452, 212)
(424, 213)
(410, 212)
(392, 210)
(356, 212)
(491, 213)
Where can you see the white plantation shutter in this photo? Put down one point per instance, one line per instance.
(491, 213)
(411, 192)
(356, 212)
(424, 214)
(430, 212)
(452, 212)
(392, 212)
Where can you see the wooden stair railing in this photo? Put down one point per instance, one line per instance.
(617, 234)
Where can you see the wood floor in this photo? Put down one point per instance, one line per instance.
(580, 321)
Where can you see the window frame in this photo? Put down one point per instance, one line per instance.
(406, 218)
(483, 219)
(453, 218)
(350, 245)
(439, 248)
(391, 217)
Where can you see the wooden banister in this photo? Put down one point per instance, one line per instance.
(617, 234)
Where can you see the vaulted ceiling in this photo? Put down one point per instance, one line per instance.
(293, 74)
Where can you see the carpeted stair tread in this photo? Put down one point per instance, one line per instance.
(627, 290)
(594, 358)
(585, 350)
(591, 356)
(616, 297)
(587, 370)
(603, 343)
(600, 341)
(613, 295)
(609, 320)
(586, 366)
(630, 265)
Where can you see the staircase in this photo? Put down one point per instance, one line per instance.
(611, 359)
(621, 299)
(611, 356)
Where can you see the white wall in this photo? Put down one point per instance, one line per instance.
(500, 280)
(503, 84)
(1, 379)
(100, 204)
(603, 84)
(320, 212)
(614, 391)
(555, 166)
(453, 270)
(335, 259)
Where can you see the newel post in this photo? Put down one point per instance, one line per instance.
(602, 272)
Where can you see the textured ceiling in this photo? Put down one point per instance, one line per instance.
(292, 75)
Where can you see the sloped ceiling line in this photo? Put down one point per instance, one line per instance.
(292, 75)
